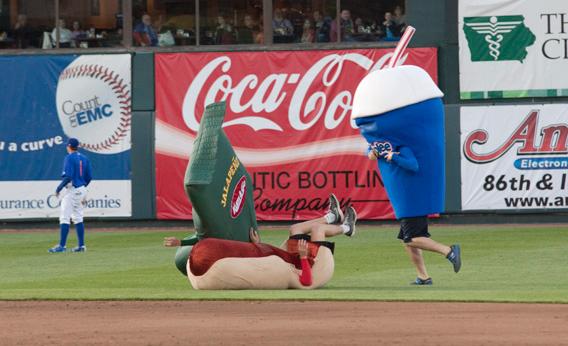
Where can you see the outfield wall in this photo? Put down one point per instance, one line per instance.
(535, 157)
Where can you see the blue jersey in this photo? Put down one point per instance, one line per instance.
(77, 170)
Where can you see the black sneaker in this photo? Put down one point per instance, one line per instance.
(422, 282)
(335, 209)
(455, 257)
(350, 220)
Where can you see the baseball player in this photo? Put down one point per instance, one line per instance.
(76, 177)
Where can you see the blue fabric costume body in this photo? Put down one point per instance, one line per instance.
(414, 179)
(400, 110)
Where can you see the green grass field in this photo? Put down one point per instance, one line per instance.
(508, 264)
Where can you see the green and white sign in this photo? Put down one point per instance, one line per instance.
(515, 48)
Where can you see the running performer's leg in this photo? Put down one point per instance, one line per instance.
(417, 259)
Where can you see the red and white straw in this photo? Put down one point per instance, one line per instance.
(401, 46)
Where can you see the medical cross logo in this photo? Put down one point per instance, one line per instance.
(497, 38)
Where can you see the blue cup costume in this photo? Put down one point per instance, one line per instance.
(400, 110)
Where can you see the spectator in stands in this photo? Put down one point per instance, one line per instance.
(297, 18)
(346, 27)
(248, 31)
(144, 34)
(113, 38)
(361, 31)
(76, 31)
(65, 38)
(399, 18)
(377, 33)
(390, 28)
(376, 28)
(283, 29)
(322, 27)
(22, 32)
(308, 33)
(259, 37)
(224, 33)
(358, 25)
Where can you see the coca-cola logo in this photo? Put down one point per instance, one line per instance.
(239, 195)
(255, 102)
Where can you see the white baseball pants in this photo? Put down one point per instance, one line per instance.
(72, 205)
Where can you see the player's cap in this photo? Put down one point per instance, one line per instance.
(73, 143)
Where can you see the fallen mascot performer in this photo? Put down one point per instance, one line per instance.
(225, 252)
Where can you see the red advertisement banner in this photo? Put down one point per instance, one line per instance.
(288, 118)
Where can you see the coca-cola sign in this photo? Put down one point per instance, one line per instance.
(269, 93)
(288, 117)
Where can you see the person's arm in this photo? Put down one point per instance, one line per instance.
(171, 242)
(306, 276)
(139, 35)
(65, 181)
(333, 31)
(405, 159)
(289, 27)
(371, 154)
(254, 237)
(138, 38)
(153, 36)
(88, 177)
(65, 35)
(191, 240)
(174, 242)
(67, 174)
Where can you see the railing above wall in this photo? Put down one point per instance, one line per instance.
(211, 48)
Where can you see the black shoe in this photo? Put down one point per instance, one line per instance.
(422, 282)
(335, 209)
(455, 257)
(350, 220)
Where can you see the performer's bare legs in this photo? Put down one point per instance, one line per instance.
(414, 250)
(418, 261)
(330, 225)
(425, 243)
(318, 231)
(306, 226)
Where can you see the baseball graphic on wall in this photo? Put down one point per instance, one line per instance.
(93, 102)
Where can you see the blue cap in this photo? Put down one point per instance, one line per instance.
(73, 143)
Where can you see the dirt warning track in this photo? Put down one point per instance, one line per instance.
(280, 323)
